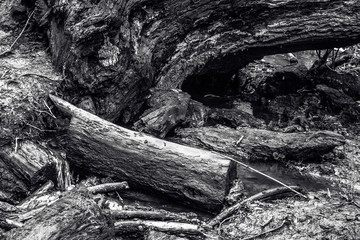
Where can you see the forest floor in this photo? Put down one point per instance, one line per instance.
(27, 77)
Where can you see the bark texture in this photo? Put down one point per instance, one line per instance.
(74, 216)
(114, 51)
(262, 145)
(192, 175)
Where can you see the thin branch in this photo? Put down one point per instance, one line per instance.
(41, 130)
(230, 210)
(265, 175)
(266, 232)
(22, 31)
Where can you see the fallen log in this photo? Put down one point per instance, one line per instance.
(261, 145)
(192, 175)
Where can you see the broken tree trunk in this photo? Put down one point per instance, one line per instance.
(115, 51)
(191, 175)
(25, 165)
(260, 144)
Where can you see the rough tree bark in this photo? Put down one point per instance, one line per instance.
(193, 176)
(114, 51)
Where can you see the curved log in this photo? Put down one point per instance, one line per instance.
(114, 51)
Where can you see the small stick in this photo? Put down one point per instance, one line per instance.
(51, 113)
(264, 194)
(16, 144)
(239, 141)
(4, 74)
(41, 130)
(265, 175)
(22, 31)
(266, 232)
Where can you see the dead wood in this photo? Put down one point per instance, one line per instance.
(74, 216)
(169, 227)
(160, 215)
(108, 187)
(261, 145)
(191, 175)
(163, 43)
(262, 195)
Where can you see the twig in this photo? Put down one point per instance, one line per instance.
(239, 141)
(22, 31)
(4, 74)
(51, 113)
(265, 175)
(41, 130)
(264, 194)
(16, 144)
(266, 232)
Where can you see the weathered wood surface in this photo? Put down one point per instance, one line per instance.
(24, 165)
(195, 176)
(261, 145)
(167, 108)
(115, 51)
(74, 216)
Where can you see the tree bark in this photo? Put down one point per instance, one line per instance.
(261, 145)
(192, 175)
(74, 216)
(115, 51)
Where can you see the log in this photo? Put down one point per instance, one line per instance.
(192, 175)
(261, 145)
(117, 50)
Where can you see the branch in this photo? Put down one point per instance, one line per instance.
(264, 194)
(108, 187)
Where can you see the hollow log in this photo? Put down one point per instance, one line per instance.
(194, 176)
(261, 145)
(115, 51)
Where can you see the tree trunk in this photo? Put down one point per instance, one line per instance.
(191, 175)
(115, 51)
(261, 145)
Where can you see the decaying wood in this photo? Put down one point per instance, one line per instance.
(34, 196)
(30, 165)
(262, 144)
(262, 195)
(160, 215)
(74, 216)
(195, 176)
(118, 50)
(168, 108)
(108, 187)
(169, 227)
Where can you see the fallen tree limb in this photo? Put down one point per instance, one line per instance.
(148, 215)
(169, 227)
(262, 195)
(192, 175)
(261, 144)
(108, 187)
